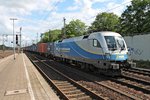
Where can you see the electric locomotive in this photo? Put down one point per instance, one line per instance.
(103, 51)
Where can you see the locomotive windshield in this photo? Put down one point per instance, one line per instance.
(120, 43)
(111, 43)
(114, 42)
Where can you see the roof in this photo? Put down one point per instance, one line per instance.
(104, 33)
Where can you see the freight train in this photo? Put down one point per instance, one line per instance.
(105, 52)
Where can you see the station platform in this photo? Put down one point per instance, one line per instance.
(20, 80)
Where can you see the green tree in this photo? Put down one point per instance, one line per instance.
(105, 22)
(136, 18)
(54, 35)
(75, 28)
(51, 36)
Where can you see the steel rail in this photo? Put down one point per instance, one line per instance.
(92, 94)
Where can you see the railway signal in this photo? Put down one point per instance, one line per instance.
(16, 39)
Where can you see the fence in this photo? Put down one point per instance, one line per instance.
(139, 46)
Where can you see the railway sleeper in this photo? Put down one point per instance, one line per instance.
(77, 95)
(72, 91)
(82, 98)
(62, 84)
(59, 82)
(85, 98)
(68, 89)
(66, 86)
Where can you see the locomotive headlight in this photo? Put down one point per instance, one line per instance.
(107, 55)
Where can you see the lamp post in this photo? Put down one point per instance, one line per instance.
(13, 19)
(64, 34)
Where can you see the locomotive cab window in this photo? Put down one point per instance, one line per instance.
(96, 43)
(111, 43)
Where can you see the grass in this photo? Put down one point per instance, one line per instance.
(142, 64)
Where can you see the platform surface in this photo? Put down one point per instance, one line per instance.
(20, 80)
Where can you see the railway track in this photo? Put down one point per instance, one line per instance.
(141, 69)
(140, 76)
(137, 76)
(144, 72)
(134, 83)
(113, 87)
(66, 87)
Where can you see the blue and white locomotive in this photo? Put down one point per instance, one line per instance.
(104, 51)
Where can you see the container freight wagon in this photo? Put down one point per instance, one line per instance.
(42, 48)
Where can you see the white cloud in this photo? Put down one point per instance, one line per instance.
(113, 7)
(117, 8)
(17, 9)
(53, 20)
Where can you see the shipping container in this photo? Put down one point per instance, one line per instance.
(42, 47)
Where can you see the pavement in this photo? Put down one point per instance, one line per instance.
(20, 80)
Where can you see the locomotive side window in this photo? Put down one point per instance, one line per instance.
(96, 43)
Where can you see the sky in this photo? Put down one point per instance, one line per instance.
(38, 16)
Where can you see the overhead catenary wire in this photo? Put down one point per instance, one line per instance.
(110, 9)
(56, 4)
(45, 15)
(107, 10)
